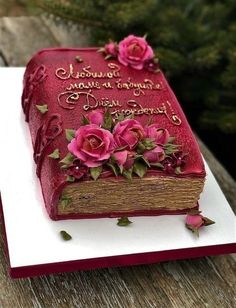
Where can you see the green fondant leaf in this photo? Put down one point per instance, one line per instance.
(171, 139)
(95, 172)
(42, 108)
(146, 144)
(194, 212)
(120, 117)
(102, 49)
(70, 134)
(107, 57)
(123, 222)
(158, 165)
(55, 154)
(194, 230)
(207, 221)
(128, 173)
(79, 59)
(85, 121)
(65, 235)
(178, 170)
(140, 169)
(65, 201)
(113, 168)
(145, 161)
(68, 159)
(70, 178)
(108, 121)
(65, 166)
(121, 168)
(170, 148)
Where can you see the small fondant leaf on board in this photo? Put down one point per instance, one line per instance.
(95, 172)
(42, 108)
(65, 235)
(55, 154)
(208, 221)
(70, 134)
(123, 222)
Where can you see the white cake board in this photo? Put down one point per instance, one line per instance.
(34, 244)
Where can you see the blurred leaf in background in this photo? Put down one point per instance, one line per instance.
(195, 41)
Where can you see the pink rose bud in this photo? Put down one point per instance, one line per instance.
(155, 155)
(194, 221)
(111, 49)
(121, 157)
(134, 51)
(130, 160)
(92, 145)
(96, 117)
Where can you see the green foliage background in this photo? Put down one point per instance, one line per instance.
(194, 40)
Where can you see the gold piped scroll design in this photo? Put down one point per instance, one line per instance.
(30, 83)
(47, 132)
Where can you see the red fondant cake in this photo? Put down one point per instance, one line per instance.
(109, 136)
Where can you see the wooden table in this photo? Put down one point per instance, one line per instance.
(202, 282)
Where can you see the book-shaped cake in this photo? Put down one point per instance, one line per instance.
(109, 136)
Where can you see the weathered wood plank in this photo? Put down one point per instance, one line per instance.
(226, 182)
(2, 62)
(67, 34)
(21, 37)
(203, 282)
(18, 44)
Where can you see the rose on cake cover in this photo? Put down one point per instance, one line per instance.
(122, 146)
(92, 145)
(133, 51)
(194, 221)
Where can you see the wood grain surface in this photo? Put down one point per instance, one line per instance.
(202, 282)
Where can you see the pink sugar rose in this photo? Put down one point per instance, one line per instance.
(128, 133)
(92, 145)
(194, 221)
(158, 135)
(111, 49)
(124, 158)
(96, 117)
(134, 51)
(155, 155)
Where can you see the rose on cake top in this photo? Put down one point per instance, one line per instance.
(133, 51)
(122, 145)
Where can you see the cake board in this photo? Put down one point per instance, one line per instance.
(33, 242)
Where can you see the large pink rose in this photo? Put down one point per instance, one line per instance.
(128, 133)
(134, 51)
(92, 145)
(157, 134)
